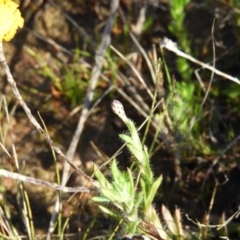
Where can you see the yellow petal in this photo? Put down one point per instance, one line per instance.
(10, 19)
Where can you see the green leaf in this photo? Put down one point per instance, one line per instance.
(144, 190)
(137, 153)
(133, 216)
(131, 227)
(152, 191)
(108, 212)
(111, 194)
(126, 139)
(135, 137)
(101, 178)
(117, 175)
(131, 184)
(135, 148)
(100, 199)
(146, 166)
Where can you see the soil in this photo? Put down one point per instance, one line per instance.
(30, 58)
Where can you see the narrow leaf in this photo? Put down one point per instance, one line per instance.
(131, 184)
(101, 178)
(126, 139)
(152, 191)
(100, 199)
(108, 211)
(117, 175)
(111, 194)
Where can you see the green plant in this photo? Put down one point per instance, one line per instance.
(148, 23)
(70, 79)
(184, 98)
(131, 192)
(177, 10)
(235, 4)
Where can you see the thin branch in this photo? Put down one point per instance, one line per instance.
(141, 49)
(32, 119)
(96, 72)
(35, 181)
(99, 58)
(171, 46)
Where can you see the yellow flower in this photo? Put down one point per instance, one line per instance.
(10, 19)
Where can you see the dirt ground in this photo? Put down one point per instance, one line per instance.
(28, 55)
